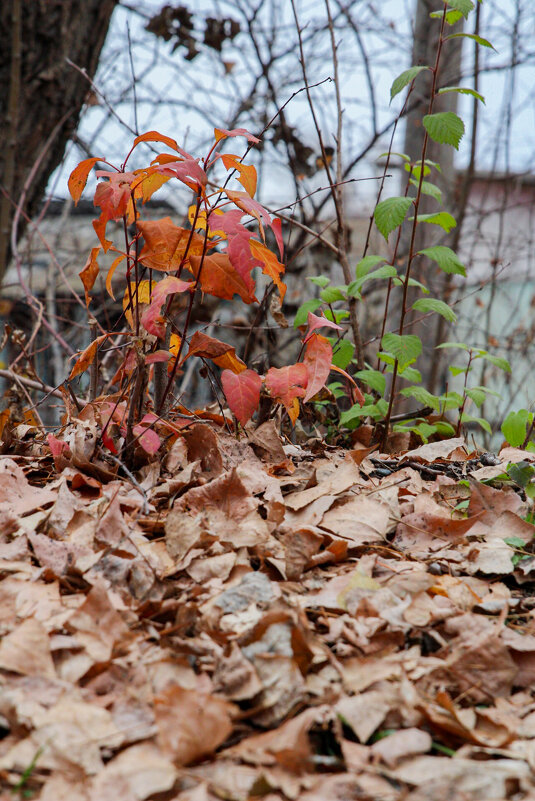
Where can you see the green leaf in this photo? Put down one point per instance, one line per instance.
(515, 542)
(331, 294)
(353, 415)
(374, 379)
(468, 418)
(365, 265)
(474, 37)
(411, 374)
(428, 188)
(451, 16)
(404, 80)
(405, 348)
(455, 371)
(445, 127)
(458, 345)
(422, 396)
(461, 90)
(337, 317)
(400, 280)
(514, 427)
(464, 6)
(442, 218)
(343, 352)
(393, 153)
(497, 361)
(521, 473)
(386, 271)
(477, 395)
(451, 400)
(319, 280)
(390, 213)
(446, 258)
(303, 310)
(435, 305)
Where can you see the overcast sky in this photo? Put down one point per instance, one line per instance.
(506, 138)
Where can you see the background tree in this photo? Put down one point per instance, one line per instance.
(41, 95)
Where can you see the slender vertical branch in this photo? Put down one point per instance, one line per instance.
(336, 192)
(417, 200)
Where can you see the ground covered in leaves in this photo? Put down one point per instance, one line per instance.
(252, 619)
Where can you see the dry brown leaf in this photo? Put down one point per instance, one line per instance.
(400, 745)
(26, 650)
(191, 725)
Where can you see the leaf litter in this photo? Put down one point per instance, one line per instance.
(251, 619)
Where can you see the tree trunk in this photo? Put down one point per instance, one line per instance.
(41, 96)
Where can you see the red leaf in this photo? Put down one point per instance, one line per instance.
(78, 177)
(222, 133)
(151, 319)
(276, 227)
(57, 446)
(113, 196)
(108, 442)
(314, 321)
(242, 391)
(219, 278)
(147, 438)
(89, 274)
(228, 222)
(157, 356)
(251, 206)
(188, 171)
(318, 358)
(287, 383)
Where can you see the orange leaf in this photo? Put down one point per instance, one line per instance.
(147, 183)
(174, 347)
(242, 392)
(293, 410)
(358, 397)
(248, 178)
(272, 265)
(100, 230)
(219, 352)
(166, 243)
(287, 383)
(78, 177)
(154, 136)
(318, 358)
(89, 274)
(219, 278)
(115, 263)
(86, 357)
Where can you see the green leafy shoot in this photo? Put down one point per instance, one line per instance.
(404, 80)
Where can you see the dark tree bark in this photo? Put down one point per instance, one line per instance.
(41, 95)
